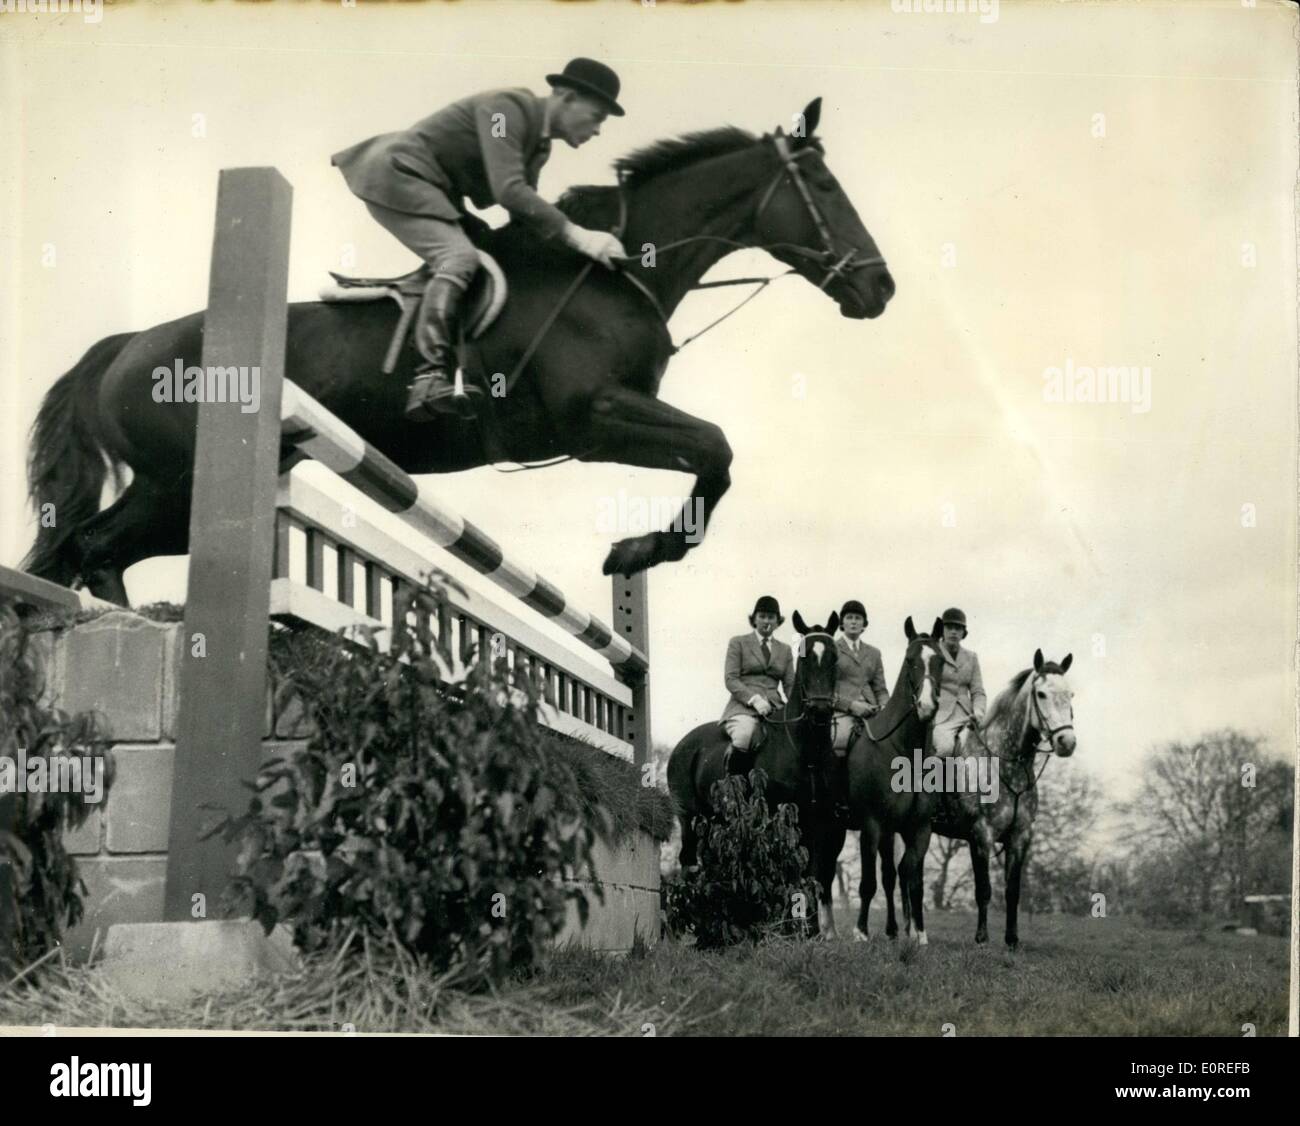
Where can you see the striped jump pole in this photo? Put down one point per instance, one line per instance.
(315, 431)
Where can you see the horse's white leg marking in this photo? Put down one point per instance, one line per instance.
(922, 938)
(858, 936)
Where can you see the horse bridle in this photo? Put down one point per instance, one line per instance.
(1046, 733)
(926, 676)
(1051, 732)
(825, 699)
(836, 265)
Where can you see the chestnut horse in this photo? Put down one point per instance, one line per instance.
(879, 807)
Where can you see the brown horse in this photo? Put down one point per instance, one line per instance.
(588, 375)
(880, 807)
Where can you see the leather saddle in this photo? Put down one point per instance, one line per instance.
(487, 294)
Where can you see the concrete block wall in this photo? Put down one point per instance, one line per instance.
(126, 667)
(629, 877)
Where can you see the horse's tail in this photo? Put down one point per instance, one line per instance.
(66, 465)
(681, 776)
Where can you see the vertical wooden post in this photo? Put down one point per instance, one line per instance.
(232, 535)
(632, 621)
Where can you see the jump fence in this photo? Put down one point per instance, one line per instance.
(265, 545)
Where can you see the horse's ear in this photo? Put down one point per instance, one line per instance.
(833, 623)
(798, 623)
(909, 630)
(936, 630)
(808, 120)
(1065, 665)
(1038, 660)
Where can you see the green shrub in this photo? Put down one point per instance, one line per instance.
(748, 882)
(46, 889)
(438, 818)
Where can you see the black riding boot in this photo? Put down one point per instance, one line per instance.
(438, 387)
(737, 761)
(840, 790)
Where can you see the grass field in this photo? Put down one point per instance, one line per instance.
(1095, 977)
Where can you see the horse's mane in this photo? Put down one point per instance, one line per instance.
(596, 205)
(1004, 699)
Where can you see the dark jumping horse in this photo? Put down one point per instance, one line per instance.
(587, 391)
(1033, 711)
(878, 806)
(795, 752)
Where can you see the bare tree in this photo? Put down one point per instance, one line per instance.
(948, 873)
(1069, 807)
(1208, 807)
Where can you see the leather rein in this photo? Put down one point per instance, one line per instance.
(823, 699)
(1046, 733)
(926, 675)
(836, 264)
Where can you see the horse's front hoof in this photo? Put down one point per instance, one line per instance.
(1013, 943)
(631, 556)
(981, 936)
(860, 936)
(922, 939)
(639, 553)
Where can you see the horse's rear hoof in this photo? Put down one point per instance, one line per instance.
(981, 936)
(860, 936)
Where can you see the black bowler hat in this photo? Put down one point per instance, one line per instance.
(766, 605)
(590, 77)
(853, 606)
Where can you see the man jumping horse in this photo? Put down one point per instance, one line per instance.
(491, 148)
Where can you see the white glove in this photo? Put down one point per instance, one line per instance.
(600, 245)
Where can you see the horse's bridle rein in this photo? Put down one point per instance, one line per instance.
(926, 677)
(836, 265)
(1046, 733)
(849, 261)
(1051, 732)
(825, 700)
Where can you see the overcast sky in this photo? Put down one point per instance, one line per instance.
(1062, 185)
